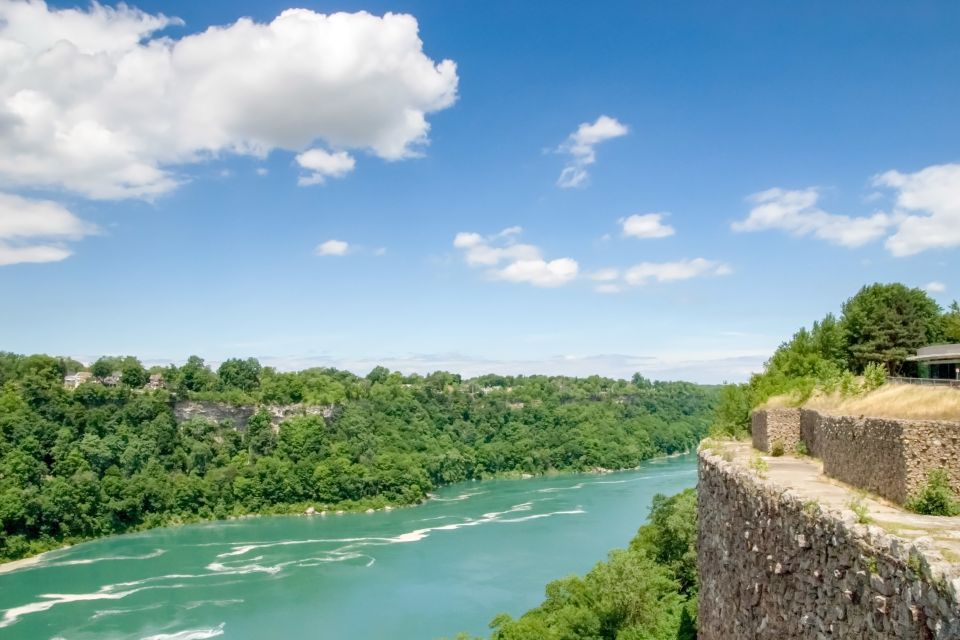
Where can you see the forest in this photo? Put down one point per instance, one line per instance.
(109, 457)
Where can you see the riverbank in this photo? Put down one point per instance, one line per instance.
(23, 563)
(371, 505)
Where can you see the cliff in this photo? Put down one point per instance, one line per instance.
(238, 416)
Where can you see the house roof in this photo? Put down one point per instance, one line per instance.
(937, 353)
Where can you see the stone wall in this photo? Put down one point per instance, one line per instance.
(771, 426)
(809, 426)
(891, 458)
(774, 566)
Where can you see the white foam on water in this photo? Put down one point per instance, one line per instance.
(117, 612)
(212, 603)
(466, 495)
(66, 563)
(190, 634)
(11, 616)
(537, 516)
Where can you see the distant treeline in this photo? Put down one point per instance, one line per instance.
(878, 329)
(109, 458)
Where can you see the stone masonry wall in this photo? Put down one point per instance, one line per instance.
(892, 458)
(773, 567)
(865, 453)
(809, 426)
(769, 426)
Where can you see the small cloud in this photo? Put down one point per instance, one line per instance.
(605, 275)
(935, 287)
(608, 288)
(226, 173)
(648, 225)
(580, 146)
(380, 251)
(646, 272)
(322, 165)
(332, 248)
(37, 230)
(262, 171)
(507, 259)
(797, 213)
(540, 273)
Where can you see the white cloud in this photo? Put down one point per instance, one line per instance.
(796, 212)
(262, 171)
(580, 146)
(99, 102)
(322, 165)
(540, 273)
(608, 288)
(935, 287)
(649, 225)
(927, 204)
(37, 230)
(520, 262)
(646, 272)
(605, 275)
(332, 248)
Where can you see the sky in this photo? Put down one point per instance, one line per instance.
(573, 188)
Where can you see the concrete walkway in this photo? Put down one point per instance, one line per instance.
(804, 477)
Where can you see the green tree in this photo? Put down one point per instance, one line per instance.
(240, 374)
(196, 376)
(132, 373)
(951, 323)
(886, 323)
(102, 368)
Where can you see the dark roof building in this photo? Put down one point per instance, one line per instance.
(939, 361)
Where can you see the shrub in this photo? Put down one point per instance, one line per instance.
(801, 450)
(936, 498)
(759, 466)
(776, 449)
(849, 385)
(859, 507)
(874, 376)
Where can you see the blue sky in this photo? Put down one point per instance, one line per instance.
(162, 206)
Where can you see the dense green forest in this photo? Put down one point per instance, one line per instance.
(877, 330)
(645, 592)
(109, 457)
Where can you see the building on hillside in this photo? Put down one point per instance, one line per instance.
(155, 382)
(74, 380)
(939, 362)
(113, 379)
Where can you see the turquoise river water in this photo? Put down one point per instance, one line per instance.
(449, 565)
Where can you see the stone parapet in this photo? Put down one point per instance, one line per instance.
(775, 565)
(771, 426)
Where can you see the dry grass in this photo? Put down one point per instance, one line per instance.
(892, 401)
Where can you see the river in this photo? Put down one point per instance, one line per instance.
(449, 565)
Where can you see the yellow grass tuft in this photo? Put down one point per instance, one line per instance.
(893, 401)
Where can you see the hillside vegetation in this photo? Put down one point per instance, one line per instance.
(840, 363)
(893, 401)
(103, 459)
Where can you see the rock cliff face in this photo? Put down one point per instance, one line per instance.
(776, 564)
(240, 415)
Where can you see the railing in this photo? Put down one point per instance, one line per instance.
(940, 382)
